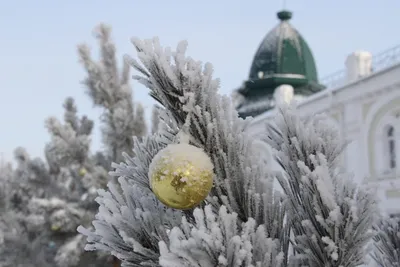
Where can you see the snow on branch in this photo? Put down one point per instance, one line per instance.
(130, 224)
(190, 96)
(386, 251)
(331, 219)
(70, 142)
(220, 240)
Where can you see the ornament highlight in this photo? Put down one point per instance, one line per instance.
(181, 176)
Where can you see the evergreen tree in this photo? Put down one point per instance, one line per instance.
(79, 175)
(21, 229)
(13, 230)
(387, 242)
(109, 89)
(44, 202)
(43, 205)
(318, 218)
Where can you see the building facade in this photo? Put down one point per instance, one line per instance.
(363, 101)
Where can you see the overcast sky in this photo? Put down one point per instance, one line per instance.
(38, 60)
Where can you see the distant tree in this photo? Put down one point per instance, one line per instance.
(108, 87)
(155, 119)
(43, 205)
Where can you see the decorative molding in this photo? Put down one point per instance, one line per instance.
(375, 94)
(372, 87)
(363, 97)
(377, 111)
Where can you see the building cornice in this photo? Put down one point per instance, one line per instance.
(361, 90)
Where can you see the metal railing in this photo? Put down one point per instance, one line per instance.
(381, 61)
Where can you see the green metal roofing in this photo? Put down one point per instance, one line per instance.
(284, 57)
(284, 51)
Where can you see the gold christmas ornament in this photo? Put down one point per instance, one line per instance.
(181, 176)
(82, 172)
(55, 227)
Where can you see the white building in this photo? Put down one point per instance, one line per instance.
(363, 101)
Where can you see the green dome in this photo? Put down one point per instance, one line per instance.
(283, 57)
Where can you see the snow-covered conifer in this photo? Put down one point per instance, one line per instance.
(5, 184)
(43, 205)
(44, 202)
(320, 219)
(108, 87)
(20, 230)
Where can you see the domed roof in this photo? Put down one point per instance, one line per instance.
(283, 52)
(283, 58)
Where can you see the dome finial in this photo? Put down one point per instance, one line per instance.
(284, 15)
(283, 4)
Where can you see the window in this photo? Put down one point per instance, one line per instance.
(391, 147)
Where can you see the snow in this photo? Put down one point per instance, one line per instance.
(51, 203)
(69, 254)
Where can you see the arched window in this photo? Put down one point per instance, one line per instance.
(391, 147)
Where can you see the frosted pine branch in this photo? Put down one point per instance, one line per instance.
(188, 92)
(134, 218)
(242, 182)
(386, 251)
(70, 141)
(130, 225)
(331, 219)
(244, 222)
(220, 240)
